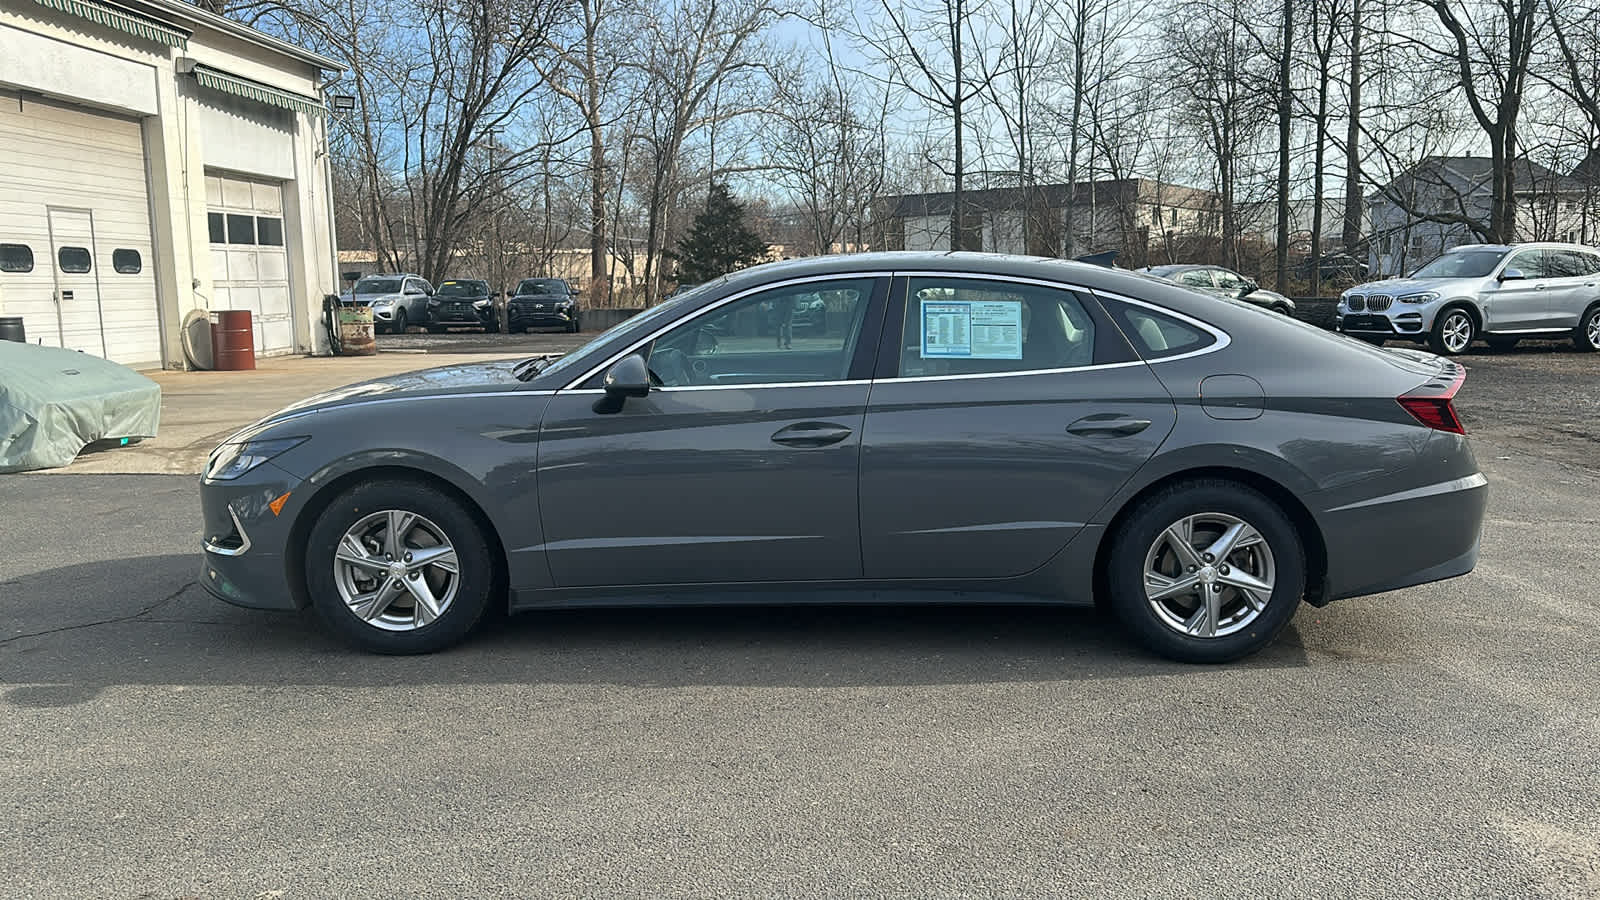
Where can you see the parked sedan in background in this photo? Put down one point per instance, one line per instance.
(462, 302)
(1503, 293)
(1225, 283)
(397, 301)
(968, 426)
(542, 303)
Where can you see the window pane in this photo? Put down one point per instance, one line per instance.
(800, 333)
(1156, 335)
(241, 229)
(269, 231)
(219, 234)
(968, 326)
(16, 258)
(73, 260)
(1530, 263)
(1197, 278)
(1568, 264)
(126, 262)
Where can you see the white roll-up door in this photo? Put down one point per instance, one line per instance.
(75, 248)
(249, 264)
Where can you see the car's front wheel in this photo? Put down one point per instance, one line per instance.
(396, 566)
(399, 324)
(1586, 336)
(1452, 332)
(1206, 571)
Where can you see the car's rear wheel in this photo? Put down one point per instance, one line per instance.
(1586, 336)
(1452, 332)
(1206, 571)
(397, 566)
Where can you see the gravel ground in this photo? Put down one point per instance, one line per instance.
(1541, 395)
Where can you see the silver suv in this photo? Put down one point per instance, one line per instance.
(1501, 293)
(397, 301)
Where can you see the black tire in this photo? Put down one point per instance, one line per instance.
(1586, 337)
(1137, 538)
(399, 326)
(492, 326)
(1282, 310)
(573, 326)
(1501, 344)
(1448, 326)
(474, 587)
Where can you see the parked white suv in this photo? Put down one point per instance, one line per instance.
(1497, 292)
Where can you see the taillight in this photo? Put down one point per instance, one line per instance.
(1432, 403)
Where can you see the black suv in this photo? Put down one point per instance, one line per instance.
(543, 302)
(462, 302)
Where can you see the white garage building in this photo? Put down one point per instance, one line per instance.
(156, 159)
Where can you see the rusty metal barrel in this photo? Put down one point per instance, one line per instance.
(233, 340)
(355, 331)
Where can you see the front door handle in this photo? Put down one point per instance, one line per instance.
(811, 434)
(1108, 425)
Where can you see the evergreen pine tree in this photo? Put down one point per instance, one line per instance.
(718, 242)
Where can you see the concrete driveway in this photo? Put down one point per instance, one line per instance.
(1432, 742)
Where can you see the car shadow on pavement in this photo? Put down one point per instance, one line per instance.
(144, 621)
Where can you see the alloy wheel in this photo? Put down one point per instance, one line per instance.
(1592, 329)
(396, 570)
(1209, 575)
(1456, 333)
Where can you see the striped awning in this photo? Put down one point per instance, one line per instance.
(112, 17)
(255, 90)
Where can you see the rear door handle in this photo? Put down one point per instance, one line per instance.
(811, 434)
(1108, 425)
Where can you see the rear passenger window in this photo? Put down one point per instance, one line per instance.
(16, 258)
(126, 262)
(968, 326)
(73, 260)
(1569, 264)
(1157, 335)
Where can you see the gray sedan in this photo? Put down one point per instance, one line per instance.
(964, 427)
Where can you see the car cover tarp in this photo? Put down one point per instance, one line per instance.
(55, 402)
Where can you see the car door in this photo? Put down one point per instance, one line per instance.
(1572, 287)
(1519, 304)
(1004, 414)
(741, 463)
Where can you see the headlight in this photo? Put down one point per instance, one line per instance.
(232, 460)
(1425, 297)
(480, 304)
(381, 303)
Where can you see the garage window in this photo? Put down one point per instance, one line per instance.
(16, 258)
(269, 231)
(73, 260)
(241, 229)
(218, 228)
(127, 262)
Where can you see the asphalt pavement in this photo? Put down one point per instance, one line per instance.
(1437, 741)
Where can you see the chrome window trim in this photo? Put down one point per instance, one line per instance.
(572, 385)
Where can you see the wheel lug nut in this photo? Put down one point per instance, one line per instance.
(1223, 570)
(1191, 568)
(1209, 557)
(1216, 588)
(408, 557)
(388, 557)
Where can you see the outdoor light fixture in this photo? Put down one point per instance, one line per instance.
(344, 102)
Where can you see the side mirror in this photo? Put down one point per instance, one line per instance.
(1248, 288)
(627, 377)
(1512, 275)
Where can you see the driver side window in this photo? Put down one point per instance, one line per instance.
(1531, 263)
(1196, 278)
(793, 334)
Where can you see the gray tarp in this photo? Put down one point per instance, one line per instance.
(54, 402)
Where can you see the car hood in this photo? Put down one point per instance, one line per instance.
(1401, 286)
(458, 379)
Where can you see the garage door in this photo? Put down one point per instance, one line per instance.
(249, 266)
(75, 257)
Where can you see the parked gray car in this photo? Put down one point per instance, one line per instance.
(397, 301)
(1498, 292)
(1224, 283)
(965, 426)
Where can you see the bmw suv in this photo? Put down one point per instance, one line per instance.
(1502, 293)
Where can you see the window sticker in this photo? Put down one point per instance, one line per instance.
(987, 329)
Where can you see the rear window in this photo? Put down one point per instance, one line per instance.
(1157, 335)
(16, 258)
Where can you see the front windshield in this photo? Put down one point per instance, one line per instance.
(378, 286)
(665, 309)
(542, 286)
(463, 289)
(1461, 264)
